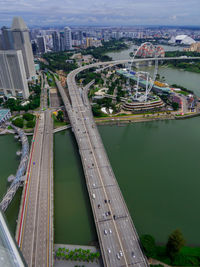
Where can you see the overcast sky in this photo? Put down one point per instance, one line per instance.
(101, 12)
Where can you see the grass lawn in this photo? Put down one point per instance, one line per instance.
(188, 256)
(183, 93)
(58, 123)
(50, 80)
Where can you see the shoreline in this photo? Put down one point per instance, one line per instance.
(117, 121)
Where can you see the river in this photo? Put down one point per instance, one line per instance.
(73, 216)
(124, 54)
(190, 80)
(156, 165)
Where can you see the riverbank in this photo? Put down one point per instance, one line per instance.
(188, 256)
(115, 120)
(73, 263)
(183, 67)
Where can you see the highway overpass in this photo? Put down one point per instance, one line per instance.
(117, 235)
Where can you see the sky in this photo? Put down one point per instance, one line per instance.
(101, 12)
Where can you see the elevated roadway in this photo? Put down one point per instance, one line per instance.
(34, 233)
(117, 235)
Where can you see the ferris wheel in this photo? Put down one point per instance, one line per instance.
(146, 50)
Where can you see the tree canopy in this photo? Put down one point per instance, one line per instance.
(175, 243)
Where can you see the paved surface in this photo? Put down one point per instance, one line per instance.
(62, 128)
(64, 263)
(35, 223)
(55, 99)
(117, 235)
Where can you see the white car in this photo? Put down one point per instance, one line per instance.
(118, 256)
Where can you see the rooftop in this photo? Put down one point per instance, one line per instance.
(18, 24)
(3, 113)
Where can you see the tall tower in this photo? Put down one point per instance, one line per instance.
(62, 41)
(68, 38)
(41, 44)
(7, 39)
(12, 74)
(22, 42)
(56, 43)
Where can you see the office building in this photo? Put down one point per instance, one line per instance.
(34, 47)
(80, 36)
(62, 41)
(9, 252)
(41, 44)
(7, 39)
(12, 74)
(56, 41)
(68, 38)
(21, 41)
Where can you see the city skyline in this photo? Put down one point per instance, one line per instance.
(112, 13)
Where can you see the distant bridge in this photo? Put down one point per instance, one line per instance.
(20, 171)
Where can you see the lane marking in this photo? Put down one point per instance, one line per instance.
(27, 183)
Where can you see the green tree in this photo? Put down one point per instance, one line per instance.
(19, 122)
(175, 105)
(175, 243)
(148, 243)
(60, 116)
(30, 124)
(28, 116)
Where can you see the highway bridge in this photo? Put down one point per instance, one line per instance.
(18, 179)
(118, 238)
(34, 233)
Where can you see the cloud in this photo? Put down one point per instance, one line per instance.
(102, 12)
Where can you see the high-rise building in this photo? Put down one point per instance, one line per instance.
(22, 42)
(80, 36)
(34, 47)
(62, 41)
(89, 42)
(7, 39)
(56, 41)
(68, 38)
(12, 74)
(10, 255)
(41, 43)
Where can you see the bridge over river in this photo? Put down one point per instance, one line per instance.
(118, 238)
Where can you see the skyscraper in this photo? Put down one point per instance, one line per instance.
(22, 42)
(41, 44)
(56, 41)
(7, 39)
(62, 41)
(80, 36)
(12, 74)
(68, 38)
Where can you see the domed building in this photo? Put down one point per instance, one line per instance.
(182, 39)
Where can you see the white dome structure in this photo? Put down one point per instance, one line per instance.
(182, 39)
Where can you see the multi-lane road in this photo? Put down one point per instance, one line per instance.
(118, 238)
(35, 222)
(117, 235)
